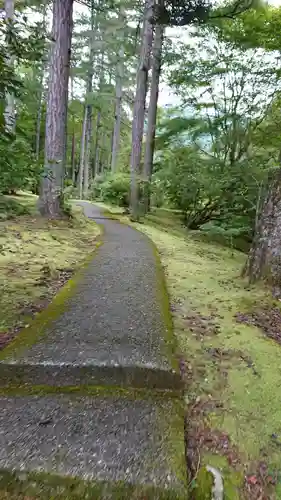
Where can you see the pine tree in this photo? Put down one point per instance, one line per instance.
(50, 202)
(139, 107)
(152, 112)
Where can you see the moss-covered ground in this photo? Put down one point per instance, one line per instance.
(232, 370)
(37, 256)
(34, 486)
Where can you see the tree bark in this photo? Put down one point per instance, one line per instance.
(39, 119)
(41, 91)
(56, 115)
(119, 95)
(10, 110)
(82, 153)
(98, 124)
(139, 107)
(96, 151)
(73, 157)
(264, 260)
(89, 106)
(152, 113)
(73, 139)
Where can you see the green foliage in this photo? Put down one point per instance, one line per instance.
(113, 189)
(11, 208)
(18, 167)
(17, 163)
(206, 190)
(254, 28)
(215, 151)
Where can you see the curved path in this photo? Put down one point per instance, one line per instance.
(110, 334)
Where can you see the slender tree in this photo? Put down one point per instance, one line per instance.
(119, 95)
(152, 112)
(139, 107)
(41, 88)
(10, 111)
(56, 115)
(98, 122)
(89, 106)
(82, 152)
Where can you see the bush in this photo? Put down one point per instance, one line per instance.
(10, 208)
(18, 168)
(113, 189)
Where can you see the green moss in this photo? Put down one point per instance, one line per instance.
(202, 485)
(232, 479)
(28, 336)
(34, 253)
(164, 300)
(88, 390)
(50, 486)
(171, 425)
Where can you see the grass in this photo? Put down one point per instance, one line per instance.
(232, 365)
(36, 257)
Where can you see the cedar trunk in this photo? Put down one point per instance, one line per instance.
(88, 131)
(56, 115)
(152, 113)
(264, 260)
(139, 108)
(82, 154)
(119, 95)
(10, 110)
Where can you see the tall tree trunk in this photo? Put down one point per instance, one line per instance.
(41, 91)
(119, 95)
(98, 124)
(264, 260)
(88, 151)
(56, 115)
(10, 110)
(152, 113)
(139, 107)
(82, 153)
(39, 118)
(89, 104)
(96, 150)
(73, 157)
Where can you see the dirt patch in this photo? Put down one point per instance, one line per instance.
(222, 356)
(201, 326)
(267, 319)
(200, 437)
(259, 485)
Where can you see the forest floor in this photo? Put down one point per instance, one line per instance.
(37, 257)
(228, 334)
(229, 344)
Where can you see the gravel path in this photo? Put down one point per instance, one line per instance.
(113, 320)
(111, 333)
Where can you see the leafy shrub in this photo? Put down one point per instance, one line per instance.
(113, 189)
(11, 208)
(17, 166)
